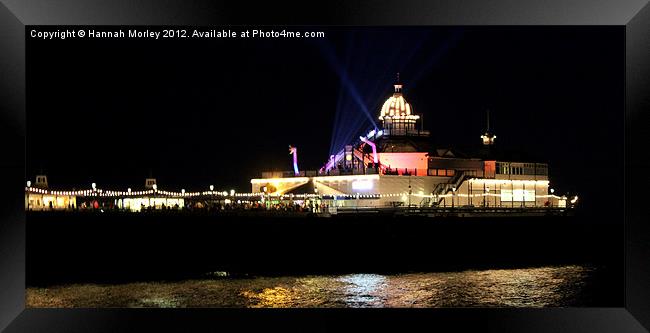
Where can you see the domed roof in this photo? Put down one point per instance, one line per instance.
(396, 107)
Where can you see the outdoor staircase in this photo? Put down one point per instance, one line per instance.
(445, 188)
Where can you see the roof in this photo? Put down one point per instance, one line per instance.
(306, 188)
(396, 107)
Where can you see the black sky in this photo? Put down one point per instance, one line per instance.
(200, 112)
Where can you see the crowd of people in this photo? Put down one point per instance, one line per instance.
(216, 206)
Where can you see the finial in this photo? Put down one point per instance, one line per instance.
(488, 138)
(398, 85)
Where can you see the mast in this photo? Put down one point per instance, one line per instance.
(488, 137)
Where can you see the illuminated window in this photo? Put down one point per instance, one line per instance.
(518, 195)
(450, 172)
(362, 185)
(521, 195)
(506, 195)
(529, 195)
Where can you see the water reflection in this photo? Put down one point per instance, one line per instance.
(157, 302)
(364, 290)
(277, 297)
(532, 287)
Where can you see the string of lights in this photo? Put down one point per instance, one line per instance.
(224, 194)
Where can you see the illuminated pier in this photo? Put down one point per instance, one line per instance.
(392, 168)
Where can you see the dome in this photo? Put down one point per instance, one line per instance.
(396, 107)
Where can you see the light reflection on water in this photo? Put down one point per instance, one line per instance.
(364, 290)
(532, 287)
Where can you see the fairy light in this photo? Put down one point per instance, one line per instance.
(494, 183)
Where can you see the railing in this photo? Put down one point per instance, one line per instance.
(457, 211)
(288, 174)
(521, 168)
(340, 172)
(405, 132)
(454, 183)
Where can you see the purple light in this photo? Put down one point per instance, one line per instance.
(294, 151)
(330, 164)
(374, 149)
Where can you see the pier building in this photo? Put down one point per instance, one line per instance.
(390, 167)
(395, 165)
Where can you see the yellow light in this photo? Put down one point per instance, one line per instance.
(507, 181)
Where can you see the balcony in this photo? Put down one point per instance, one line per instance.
(405, 132)
(315, 173)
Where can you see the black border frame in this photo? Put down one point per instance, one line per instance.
(633, 14)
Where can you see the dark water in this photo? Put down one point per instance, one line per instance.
(560, 286)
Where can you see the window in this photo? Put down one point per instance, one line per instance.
(520, 195)
(506, 195)
(529, 195)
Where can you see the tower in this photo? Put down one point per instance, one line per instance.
(396, 115)
(488, 137)
(149, 183)
(41, 181)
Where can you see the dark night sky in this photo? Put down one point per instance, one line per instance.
(200, 112)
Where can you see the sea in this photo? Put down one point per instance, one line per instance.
(532, 287)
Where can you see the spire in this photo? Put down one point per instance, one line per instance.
(488, 137)
(398, 85)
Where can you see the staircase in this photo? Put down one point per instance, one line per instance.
(366, 158)
(445, 188)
